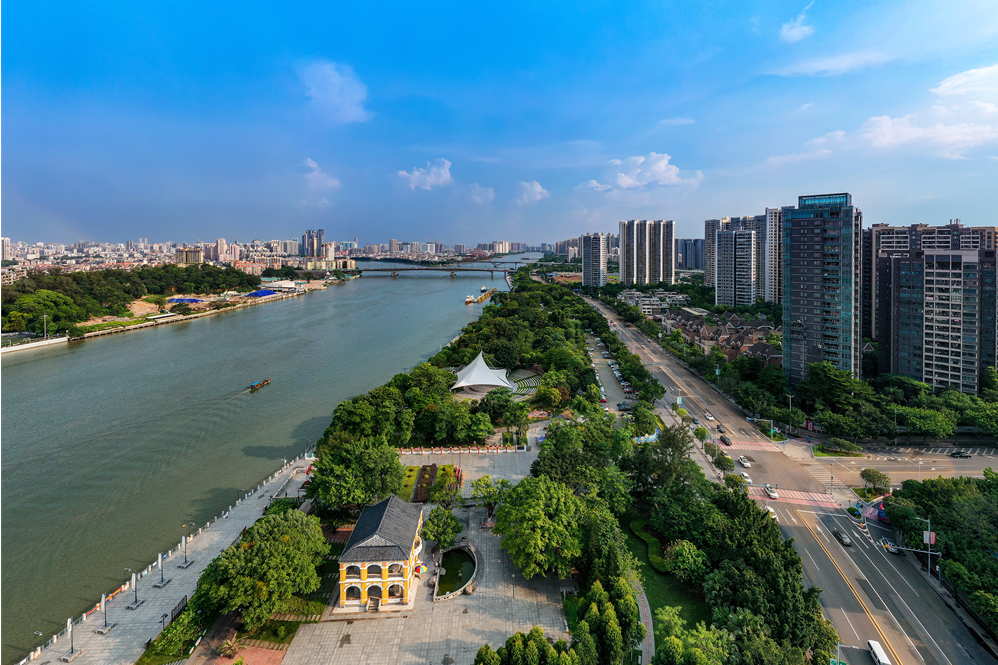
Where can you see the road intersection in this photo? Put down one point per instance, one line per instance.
(868, 594)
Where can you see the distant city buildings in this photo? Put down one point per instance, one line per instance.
(736, 277)
(766, 263)
(594, 256)
(647, 251)
(821, 284)
(5, 250)
(190, 255)
(311, 243)
(691, 253)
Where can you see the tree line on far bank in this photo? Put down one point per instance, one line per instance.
(58, 300)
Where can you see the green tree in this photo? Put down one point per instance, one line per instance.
(685, 560)
(275, 559)
(360, 472)
(937, 424)
(616, 490)
(495, 405)
(488, 493)
(480, 427)
(612, 639)
(442, 527)
(445, 490)
(876, 479)
(724, 463)
(539, 526)
(700, 433)
(584, 645)
(486, 656)
(628, 616)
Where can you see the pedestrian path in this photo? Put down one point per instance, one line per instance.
(133, 624)
(795, 496)
(977, 452)
(767, 446)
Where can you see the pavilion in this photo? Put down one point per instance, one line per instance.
(478, 374)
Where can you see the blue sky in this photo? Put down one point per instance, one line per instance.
(527, 121)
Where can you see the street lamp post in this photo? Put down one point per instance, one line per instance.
(187, 536)
(928, 525)
(135, 584)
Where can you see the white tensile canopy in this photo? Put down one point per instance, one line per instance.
(477, 373)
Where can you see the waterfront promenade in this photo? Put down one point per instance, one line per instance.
(126, 641)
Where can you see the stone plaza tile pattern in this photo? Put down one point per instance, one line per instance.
(448, 632)
(126, 641)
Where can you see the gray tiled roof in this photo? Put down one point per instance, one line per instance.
(385, 531)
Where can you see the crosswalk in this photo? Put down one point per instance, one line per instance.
(794, 496)
(753, 445)
(977, 452)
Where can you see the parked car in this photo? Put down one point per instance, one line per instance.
(771, 491)
(720, 428)
(889, 545)
(843, 538)
(747, 478)
(744, 462)
(602, 398)
(725, 440)
(628, 389)
(706, 414)
(961, 454)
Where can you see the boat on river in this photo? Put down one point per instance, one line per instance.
(260, 384)
(470, 300)
(484, 289)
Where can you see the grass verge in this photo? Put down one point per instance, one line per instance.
(664, 590)
(278, 632)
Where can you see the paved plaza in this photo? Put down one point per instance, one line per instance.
(449, 632)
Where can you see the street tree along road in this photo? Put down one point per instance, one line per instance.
(867, 593)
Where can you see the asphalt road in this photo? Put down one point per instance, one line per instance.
(868, 594)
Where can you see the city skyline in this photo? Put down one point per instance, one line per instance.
(548, 124)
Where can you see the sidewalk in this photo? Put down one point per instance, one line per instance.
(133, 627)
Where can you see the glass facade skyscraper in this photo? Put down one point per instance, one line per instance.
(821, 284)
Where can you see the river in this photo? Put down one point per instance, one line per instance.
(111, 444)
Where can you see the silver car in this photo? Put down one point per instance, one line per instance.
(744, 462)
(746, 478)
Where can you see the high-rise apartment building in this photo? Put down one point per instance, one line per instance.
(312, 242)
(937, 315)
(690, 253)
(393, 246)
(187, 255)
(901, 240)
(594, 254)
(5, 249)
(736, 277)
(647, 251)
(459, 248)
(821, 284)
(767, 259)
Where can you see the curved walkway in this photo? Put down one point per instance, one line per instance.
(648, 645)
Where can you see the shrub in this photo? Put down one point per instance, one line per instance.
(639, 526)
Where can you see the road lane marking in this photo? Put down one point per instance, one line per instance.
(876, 624)
(816, 567)
(854, 631)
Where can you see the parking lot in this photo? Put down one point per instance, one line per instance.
(614, 391)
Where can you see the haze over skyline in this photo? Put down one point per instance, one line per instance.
(530, 123)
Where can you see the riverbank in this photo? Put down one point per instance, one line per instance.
(109, 448)
(150, 322)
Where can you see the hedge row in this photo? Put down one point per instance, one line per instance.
(654, 546)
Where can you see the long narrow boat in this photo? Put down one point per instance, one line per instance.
(260, 384)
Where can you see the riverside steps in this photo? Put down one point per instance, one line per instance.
(131, 625)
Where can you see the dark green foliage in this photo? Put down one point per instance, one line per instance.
(442, 527)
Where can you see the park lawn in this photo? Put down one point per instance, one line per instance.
(570, 602)
(409, 483)
(664, 590)
(866, 493)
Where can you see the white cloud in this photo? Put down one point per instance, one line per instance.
(796, 30)
(316, 180)
(639, 171)
(482, 195)
(831, 137)
(962, 118)
(782, 160)
(530, 193)
(674, 122)
(835, 65)
(982, 83)
(335, 90)
(887, 132)
(432, 176)
(593, 186)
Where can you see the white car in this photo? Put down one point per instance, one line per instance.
(706, 414)
(744, 462)
(746, 478)
(771, 491)
(772, 513)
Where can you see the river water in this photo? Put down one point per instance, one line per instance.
(110, 445)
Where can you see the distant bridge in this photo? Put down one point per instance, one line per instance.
(453, 270)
